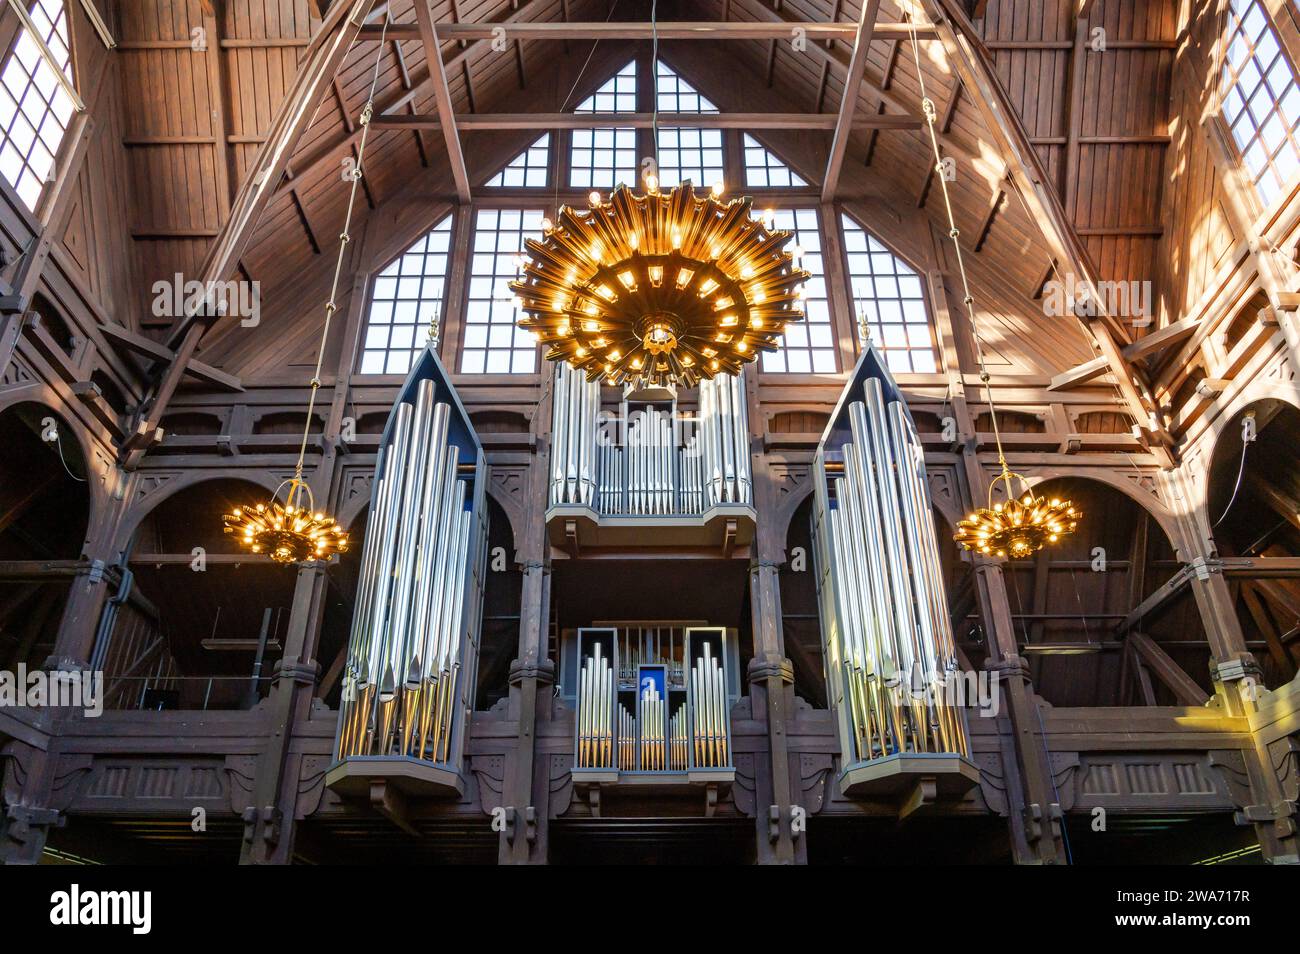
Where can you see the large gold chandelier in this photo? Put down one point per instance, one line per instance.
(1019, 526)
(660, 288)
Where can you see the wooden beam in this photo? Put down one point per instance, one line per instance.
(1079, 374)
(1183, 686)
(1157, 600)
(499, 121)
(849, 101)
(154, 351)
(442, 97)
(814, 31)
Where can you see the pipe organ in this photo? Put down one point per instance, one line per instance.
(891, 665)
(649, 459)
(413, 646)
(652, 700)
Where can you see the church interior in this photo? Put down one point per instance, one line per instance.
(647, 432)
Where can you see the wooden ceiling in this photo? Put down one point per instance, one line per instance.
(192, 126)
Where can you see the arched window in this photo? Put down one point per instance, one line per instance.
(1261, 103)
(407, 297)
(34, 106)
(888, 295)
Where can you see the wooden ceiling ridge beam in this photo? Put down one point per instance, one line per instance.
(325, 54)
(442, 98)
(498, 121)
(968, 60)
(813, 31)
(849, 100)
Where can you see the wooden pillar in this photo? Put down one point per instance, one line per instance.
(771, 676)
(526, 787)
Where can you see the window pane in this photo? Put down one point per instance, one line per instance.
(604, 158)
(528, 169)
(493, 344)
(405, 299)
(797, 353)
(1260, 99)
(887, 295)
(32, 100)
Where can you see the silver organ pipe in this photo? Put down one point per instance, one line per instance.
(724, 433)
(888, 639)
(657, 463)
(629, 722)
(575, 413)
(420, 585)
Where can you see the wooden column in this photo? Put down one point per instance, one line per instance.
(526, 787)
(771, 675)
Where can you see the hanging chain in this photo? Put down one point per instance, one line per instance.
(331, 305)
(968, 299)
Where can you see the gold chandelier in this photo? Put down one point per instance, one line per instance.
(292, 532)
(1018, 527)
(660, 288)
(295, 531)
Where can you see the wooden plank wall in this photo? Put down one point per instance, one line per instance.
(195, 116)
(1103, 143)
(94, 238)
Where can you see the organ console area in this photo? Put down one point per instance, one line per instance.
(652, 701)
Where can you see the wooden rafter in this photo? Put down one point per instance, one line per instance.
(500, 121)
(667, 30)
(849, 101)
(442, 97)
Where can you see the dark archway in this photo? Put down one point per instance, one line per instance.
(800, 614)
(341, 578)
(1254, 511)
(44, 518)
(502, 593)
(206, 614)
(1071, 605)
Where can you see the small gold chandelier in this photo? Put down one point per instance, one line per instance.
(660, 288)
(292, 532)
(1018, 527)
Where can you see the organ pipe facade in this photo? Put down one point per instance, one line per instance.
(887, 639)
(649, 459)
(408, 685)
